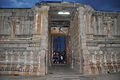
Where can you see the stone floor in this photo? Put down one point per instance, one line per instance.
(62, 72)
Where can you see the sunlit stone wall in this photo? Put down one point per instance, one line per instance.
(102, 42)
(75, 44)
(23, 41)
(95, 38)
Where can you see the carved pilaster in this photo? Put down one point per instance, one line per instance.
(41, 34)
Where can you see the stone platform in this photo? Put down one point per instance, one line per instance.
(63, 72)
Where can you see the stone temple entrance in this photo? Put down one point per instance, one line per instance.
(63, 16)
(92, 38)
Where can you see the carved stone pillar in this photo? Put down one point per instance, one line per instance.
(41, 34)
(81, 25)
(84, 27)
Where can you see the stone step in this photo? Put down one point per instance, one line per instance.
(14, 42)
(12, 48)
(104, 41)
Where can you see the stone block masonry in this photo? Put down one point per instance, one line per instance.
(23, 44)
(16, 22)
(102, 43)
(95, 41)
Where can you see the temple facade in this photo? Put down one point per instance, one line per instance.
(92, 39)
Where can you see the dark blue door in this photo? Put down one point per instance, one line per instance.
(59, 49)
(59, 43)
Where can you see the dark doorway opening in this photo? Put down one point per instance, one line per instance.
(59, 50)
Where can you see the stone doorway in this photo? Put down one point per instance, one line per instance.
(60, 18)
(71, 20)
(60, 15)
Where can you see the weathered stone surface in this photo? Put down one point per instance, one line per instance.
(95, 41)
(22, 51)
(24, 41)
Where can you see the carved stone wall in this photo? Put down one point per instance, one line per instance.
(95, 41)
(75, 49)
(16, 22)
(102, 43)
(78, 39)
(23, 47)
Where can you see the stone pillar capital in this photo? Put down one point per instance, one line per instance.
(85, 10)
